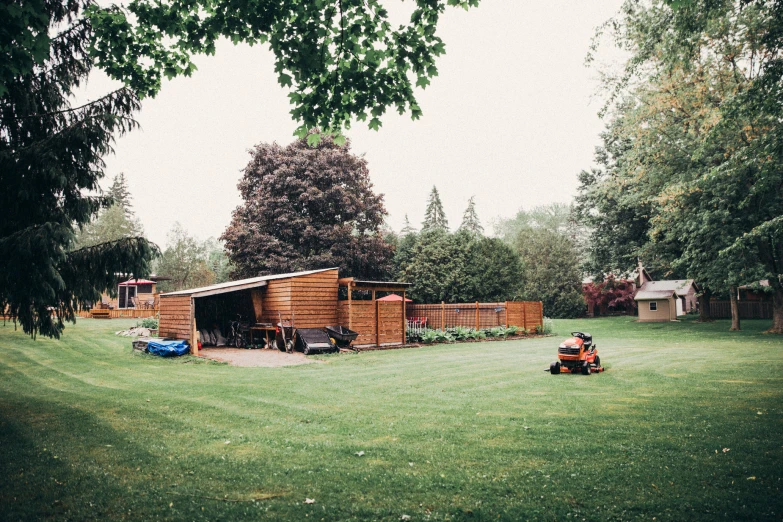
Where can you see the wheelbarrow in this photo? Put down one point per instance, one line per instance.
(285, 334)
(343, 337)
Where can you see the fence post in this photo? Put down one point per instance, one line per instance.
(524, 315)
(404, 319)
(506, 314)
(541, 308)
(477, 315)
(377, 323)
(350, 308)
(193, 329)
(443, 316)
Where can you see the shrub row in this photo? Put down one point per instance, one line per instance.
(461, 333)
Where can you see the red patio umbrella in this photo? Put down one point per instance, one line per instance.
(394, 297)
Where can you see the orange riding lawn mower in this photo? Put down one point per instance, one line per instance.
(577, 355)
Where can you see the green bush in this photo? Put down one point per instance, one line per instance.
(149, 322)
(549, 326)
(502, 331)
(462, 333)
(429, 336)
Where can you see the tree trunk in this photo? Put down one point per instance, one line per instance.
(704, 307)
(735, 318)
(777, 310)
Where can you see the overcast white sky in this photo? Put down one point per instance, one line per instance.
(511, 118)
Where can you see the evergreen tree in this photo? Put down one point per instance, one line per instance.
(407, 228)
(120, 194)
(50, 159)
(470, 220)
(111, 224)
(434, 216)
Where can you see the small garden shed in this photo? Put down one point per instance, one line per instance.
(656, 306)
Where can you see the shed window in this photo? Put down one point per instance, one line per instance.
(653, 306)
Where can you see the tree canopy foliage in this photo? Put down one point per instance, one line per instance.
(342, 60)
(190, 263)
(457, 268)
(546, 240)
(305, 208)
(50, 162)
(691, 174)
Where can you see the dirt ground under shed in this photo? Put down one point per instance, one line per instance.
(262, 358)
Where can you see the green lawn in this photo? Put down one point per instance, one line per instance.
(89, 430)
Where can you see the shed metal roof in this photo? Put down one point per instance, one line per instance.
(647, 295)
(241, 284)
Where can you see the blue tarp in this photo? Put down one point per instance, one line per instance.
(168, 348)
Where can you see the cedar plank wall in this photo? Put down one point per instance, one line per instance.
(175, 317)
(312, 299)
(525, 314)
(391, 325)
(363, 322)
(342, 313)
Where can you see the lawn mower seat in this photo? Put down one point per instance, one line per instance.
(586, 337)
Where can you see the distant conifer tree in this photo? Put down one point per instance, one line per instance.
(120, 194)
(407, 228)
(470, 220)
(434, 216)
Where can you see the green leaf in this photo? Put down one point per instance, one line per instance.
(301, 132)
(314, 139)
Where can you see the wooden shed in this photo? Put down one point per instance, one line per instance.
(308, 298)
(657, 306)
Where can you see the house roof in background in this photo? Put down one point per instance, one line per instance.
(680, 286)
(753, 286)
(241, 284)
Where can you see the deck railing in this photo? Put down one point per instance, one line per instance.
(131, 313)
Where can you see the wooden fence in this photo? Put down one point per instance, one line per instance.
(524, 314)
(122, 313)
(747, 309)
